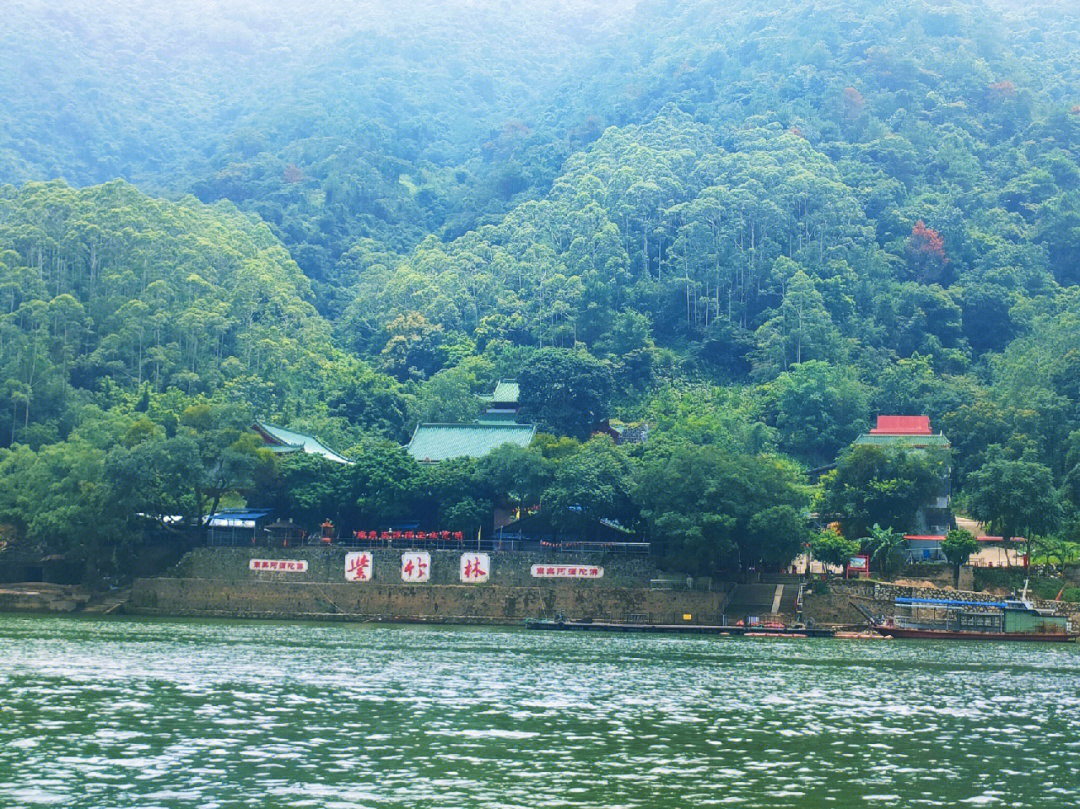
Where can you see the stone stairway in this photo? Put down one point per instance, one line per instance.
(108, 603)
(764, 598)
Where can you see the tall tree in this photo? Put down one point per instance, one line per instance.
(568, 392)
(1016, 498)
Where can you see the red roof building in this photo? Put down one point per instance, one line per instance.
(913, 433)
(902, 425)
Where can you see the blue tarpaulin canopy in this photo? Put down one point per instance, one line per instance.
(237, 517)
(945, 602)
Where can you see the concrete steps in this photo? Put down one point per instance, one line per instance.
(763, 598)
(108, 603)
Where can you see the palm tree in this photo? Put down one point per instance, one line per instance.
(886, 548)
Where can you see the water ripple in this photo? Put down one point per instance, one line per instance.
(126, 713)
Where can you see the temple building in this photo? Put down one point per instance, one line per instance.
(624, 433)
(496, 426)
(908, 432)
(502, 405)
(432, 443)
(282, 441)
(935, 518)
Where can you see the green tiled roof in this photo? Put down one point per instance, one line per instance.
(506, 391)
(441, 442)
(504, 416)
(291, 441)
(909, 441)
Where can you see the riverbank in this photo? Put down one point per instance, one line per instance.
(312, 583)
(40, 597)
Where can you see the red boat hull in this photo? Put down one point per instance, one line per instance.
(941, 634)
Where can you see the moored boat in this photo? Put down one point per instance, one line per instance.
(1014, 619)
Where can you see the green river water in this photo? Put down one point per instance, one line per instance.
(176, 713)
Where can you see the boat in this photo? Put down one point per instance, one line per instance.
(1014, 619)
(774, 634)
(681, 629)
(846, 635)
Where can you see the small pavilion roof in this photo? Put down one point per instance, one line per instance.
(506, 392)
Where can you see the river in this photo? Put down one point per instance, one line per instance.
(182, 713)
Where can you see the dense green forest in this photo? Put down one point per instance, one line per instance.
(753, 227)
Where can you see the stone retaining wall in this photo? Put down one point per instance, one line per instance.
(890, 592)
(218, 582)
(508, 568)
(880, 599)
(447, 603)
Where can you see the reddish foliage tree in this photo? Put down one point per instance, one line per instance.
(853, 102)
(926, 254)
(1002, 90)
(293, 174)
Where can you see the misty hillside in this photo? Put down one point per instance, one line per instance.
(764, 225)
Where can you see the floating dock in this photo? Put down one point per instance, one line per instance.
(682, 629)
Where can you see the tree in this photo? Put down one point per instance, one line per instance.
(232, 459)
(774, 537)
(958, 546)
(817, 409)
(156, 476)
(1016, 498)
(382, 486)
(591, 485)
(874, 485)
(886, 547)
(519, 475)
(926, 255)
(801, 330)
(309, 489)
(833, 549)
(414, 348)
(706, 508)
(568, 392)
(447, 397)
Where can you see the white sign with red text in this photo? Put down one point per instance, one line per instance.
(567, 572)
(278, 565)
(416, 566)
(358, 566)
(475, 568)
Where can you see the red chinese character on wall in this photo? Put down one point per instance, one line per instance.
(415, 568)
(358, 567)
(473, 569)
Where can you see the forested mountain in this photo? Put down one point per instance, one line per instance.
(754, 226)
